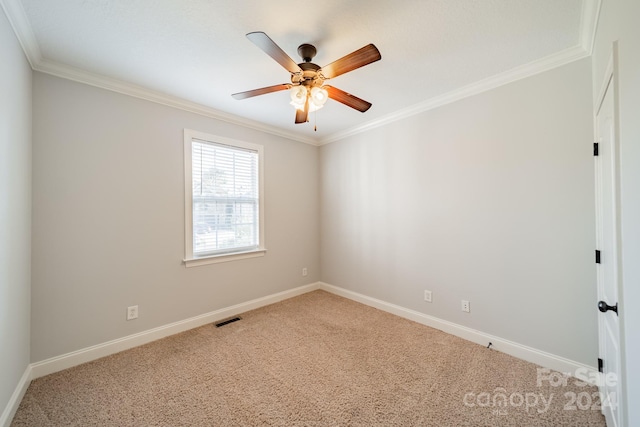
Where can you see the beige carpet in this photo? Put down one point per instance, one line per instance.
(314, 360)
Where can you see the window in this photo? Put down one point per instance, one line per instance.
(223, 199)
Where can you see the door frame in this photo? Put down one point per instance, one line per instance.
(610, 83)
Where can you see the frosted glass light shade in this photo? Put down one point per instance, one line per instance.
(319, 96)
(298, 96)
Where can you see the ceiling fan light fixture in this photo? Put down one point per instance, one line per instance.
(313, 107)
(319, 96)
(306, 88)
(298, 96)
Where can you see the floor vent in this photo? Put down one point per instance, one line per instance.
(226, 322)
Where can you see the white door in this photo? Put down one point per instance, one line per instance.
(607, 241)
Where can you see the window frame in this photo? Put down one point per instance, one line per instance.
(190, 259)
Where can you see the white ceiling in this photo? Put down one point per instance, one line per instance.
(194, 54)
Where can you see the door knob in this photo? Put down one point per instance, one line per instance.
(604, 307)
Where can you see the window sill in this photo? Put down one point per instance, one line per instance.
(214, 259)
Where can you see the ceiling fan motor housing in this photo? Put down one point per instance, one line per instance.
(309, 76)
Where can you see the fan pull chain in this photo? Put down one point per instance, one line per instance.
(315, 121)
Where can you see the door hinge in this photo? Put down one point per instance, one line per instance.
(597, 256)
(595, 148)
(600, 365)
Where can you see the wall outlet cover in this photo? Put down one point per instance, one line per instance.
(132, 312)
(427, 296)
(466, 306)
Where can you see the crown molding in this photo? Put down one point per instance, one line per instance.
(17, 17)
(552, 61)
(18, 20)
(103, 82)
(589, 23)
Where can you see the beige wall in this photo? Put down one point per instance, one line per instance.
(108, 197)
(15, 212)
(619, 22)
(489, 199)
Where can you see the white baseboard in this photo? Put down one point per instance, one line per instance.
(58, 363)
(539, 357)
(12, 406)
(88, 354)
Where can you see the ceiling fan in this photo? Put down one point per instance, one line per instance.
(307, 88)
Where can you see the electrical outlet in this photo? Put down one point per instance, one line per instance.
(427, 296)
(132, 312)
(304, 271)
(466, 306)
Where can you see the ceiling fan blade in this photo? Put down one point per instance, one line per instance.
(357, 59)
(347, 99)
(261, 91)
(302, 115)
(269, 47)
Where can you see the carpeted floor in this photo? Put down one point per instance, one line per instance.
(314, 360)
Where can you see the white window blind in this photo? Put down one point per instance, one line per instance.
(225, 197)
